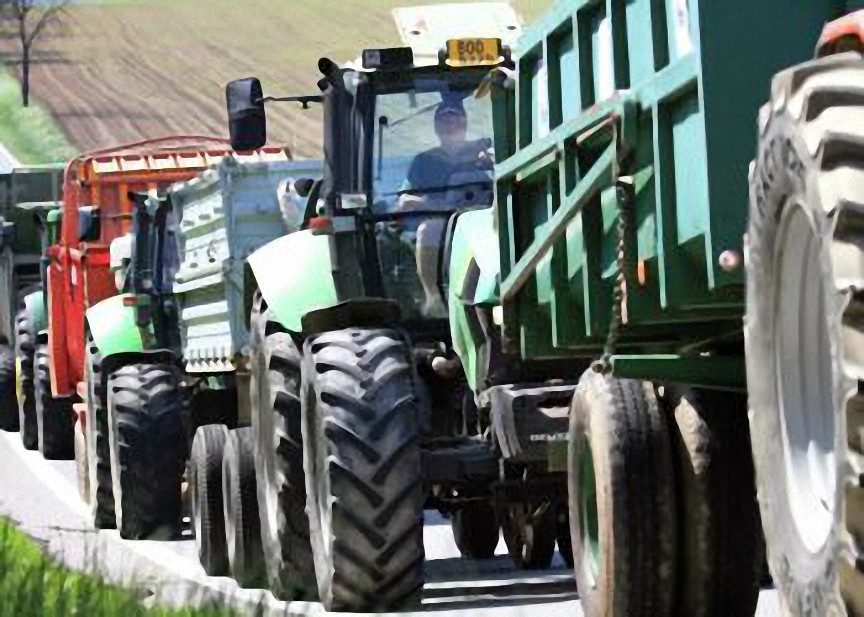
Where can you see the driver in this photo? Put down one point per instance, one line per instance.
(428, 177)
(430, 171)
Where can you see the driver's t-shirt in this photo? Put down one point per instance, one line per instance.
(432, 170)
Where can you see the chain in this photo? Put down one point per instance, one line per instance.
(624, 193)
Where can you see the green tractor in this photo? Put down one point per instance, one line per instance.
(169, 364)
(46, 422)
(165, 355)
(378, 389)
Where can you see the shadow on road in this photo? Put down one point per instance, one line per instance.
(457, 583)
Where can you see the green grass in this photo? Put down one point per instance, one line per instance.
(30, 133)
(32, 585)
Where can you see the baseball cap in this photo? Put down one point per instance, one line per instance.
(448, 106)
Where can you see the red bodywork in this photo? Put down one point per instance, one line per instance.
(79, 275)
(844, 34)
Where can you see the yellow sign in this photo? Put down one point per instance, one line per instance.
(473, 52)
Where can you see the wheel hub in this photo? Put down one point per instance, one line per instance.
(804, 378)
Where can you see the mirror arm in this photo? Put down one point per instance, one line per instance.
(303, 100)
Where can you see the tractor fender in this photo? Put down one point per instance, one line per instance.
(34, 304)
(112, 324)
(295, 277)
(473, 275)
(475, 240)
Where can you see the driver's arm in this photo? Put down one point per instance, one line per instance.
(410, 201)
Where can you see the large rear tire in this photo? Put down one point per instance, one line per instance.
(240, 501)
(622, 499)
(25, 343)
(804, 333)
(148, 448)
(720, 534)
(275, 399)
(9, 420)
(55, 418)
(363, 475)
(96, 432)
(205, 482)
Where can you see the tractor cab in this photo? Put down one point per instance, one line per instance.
(406, 150)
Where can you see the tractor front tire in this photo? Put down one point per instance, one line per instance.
(205, 482)
(96, 432)
(9, 420)
(275, 398)
(364, 481)
(148, 448)
(240, 500)
(55, 418)
(622, 499)
(25, 343)
(476, 530)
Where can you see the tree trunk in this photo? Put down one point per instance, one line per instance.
(25, 76)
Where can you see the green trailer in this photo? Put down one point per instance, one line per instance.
(623, 147)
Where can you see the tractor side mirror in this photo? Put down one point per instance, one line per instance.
(247, 120)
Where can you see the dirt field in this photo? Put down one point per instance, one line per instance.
(126, 71)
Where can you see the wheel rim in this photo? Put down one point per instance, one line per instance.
(588, 512)
(804, 387)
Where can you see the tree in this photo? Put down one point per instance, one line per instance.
(32, 18)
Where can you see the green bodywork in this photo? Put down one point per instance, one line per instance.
(52, 222)
(664, 97)
(112, 323)
(49, 216)
(473, 277)
(21, 251)
(294, 275)
(34, 304)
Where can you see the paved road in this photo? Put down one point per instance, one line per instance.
(41, 496)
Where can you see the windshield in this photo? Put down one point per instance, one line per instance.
(432, 147)
(432, 157)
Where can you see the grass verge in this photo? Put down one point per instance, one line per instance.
(32, 585)
(30, 133)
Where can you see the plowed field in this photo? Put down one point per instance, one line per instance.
(125, 71)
